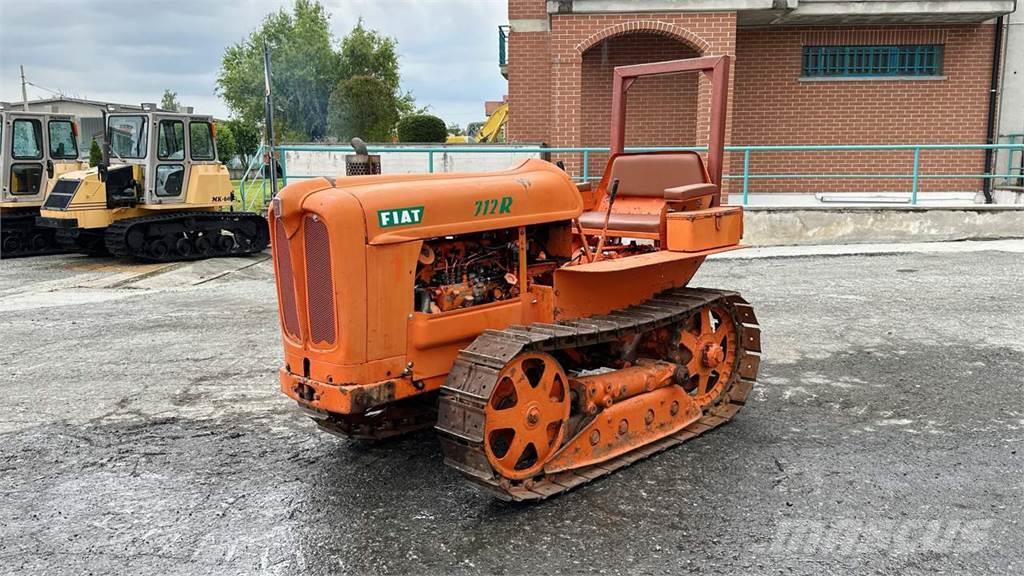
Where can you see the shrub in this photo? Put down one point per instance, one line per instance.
(422, 128)
(95, 154)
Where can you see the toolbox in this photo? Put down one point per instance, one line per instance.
(697, 230)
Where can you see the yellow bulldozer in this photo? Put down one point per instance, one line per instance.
(35, 150)
(158, 195)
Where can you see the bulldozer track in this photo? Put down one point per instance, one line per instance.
(200, 232)
(20, 237)
(473, 377)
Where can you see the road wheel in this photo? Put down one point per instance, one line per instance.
(158, 249)
(183, 247)
(224, 243)
(525, 418)
(203, 246)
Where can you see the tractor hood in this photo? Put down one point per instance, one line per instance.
(404, 207)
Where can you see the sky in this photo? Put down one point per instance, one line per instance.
(129, 51)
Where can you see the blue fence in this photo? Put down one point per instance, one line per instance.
(253, 187)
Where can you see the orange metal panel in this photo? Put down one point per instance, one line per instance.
(391, 271)
(541, 305)
(627, 425)
(321, 368)
(602, 286)
(347, 399)
(435, 339)
(450, 204)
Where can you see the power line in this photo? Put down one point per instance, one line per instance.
(51, 91)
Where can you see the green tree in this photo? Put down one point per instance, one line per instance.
(362, 106)
(170, 101)
(368, 53)
(95, 154)
(226, 146)
(367, 101)
(455, 130)
(305, 71)
(247, 139)
(309, 73)
(422, 128)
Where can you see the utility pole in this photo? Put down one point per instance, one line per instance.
(24, 94)
(269, 110)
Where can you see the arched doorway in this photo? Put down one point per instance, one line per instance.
(661, 111)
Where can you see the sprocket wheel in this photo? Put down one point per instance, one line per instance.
(710, 338)
(525, 418)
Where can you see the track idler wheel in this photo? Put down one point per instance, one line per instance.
(708, 344)
(527, 415)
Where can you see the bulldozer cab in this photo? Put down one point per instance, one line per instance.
(154, 154)
(32, 144)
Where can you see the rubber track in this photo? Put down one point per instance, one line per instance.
(115, 236)
(21, 222)
(473, 376)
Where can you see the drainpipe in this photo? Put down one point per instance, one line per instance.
(993, 93)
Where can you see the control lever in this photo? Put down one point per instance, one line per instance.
(613, 190)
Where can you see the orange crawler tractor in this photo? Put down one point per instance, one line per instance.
(544, 327)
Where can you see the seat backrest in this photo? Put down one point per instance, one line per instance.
(651, 174)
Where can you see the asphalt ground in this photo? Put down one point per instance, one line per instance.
(142, 432)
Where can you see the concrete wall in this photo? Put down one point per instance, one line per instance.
(331, 162)
(780, 227)
(1011, 109)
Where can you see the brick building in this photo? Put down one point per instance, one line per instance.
(804, 72)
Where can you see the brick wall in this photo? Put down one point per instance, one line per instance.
(560, 94)
(529, 87)
(659, 111)
(546, 90)
(526, 9)
(773, 106)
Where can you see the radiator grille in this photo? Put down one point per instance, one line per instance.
(60, 197)
(319, 283)
(286, 279)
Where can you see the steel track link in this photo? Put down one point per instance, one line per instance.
(115, 237)
(473, 376)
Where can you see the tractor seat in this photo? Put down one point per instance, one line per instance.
(648, 184)
(594, 220)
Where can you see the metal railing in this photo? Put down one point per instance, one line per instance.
(503, 45)
(746, 176)
(1014, 178)
(254, 188)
